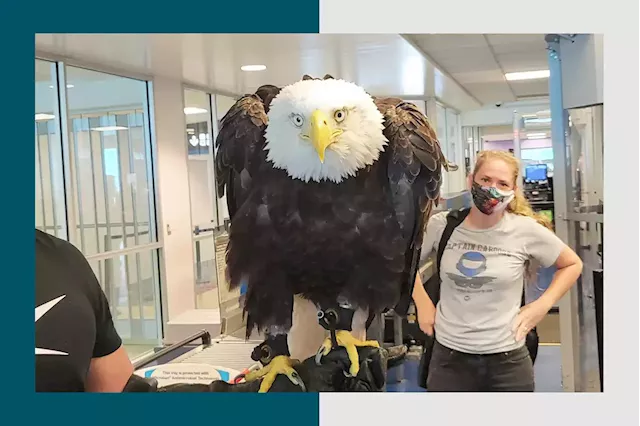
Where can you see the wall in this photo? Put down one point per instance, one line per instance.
(174, 199)
(582, 71)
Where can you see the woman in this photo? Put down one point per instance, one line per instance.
(479, 323)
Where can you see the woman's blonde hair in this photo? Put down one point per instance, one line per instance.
(519, 205)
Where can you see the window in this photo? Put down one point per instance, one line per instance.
(101, 189)
(50, 191)
(110, 144)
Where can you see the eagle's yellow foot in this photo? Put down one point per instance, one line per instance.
(278, 365)
(351, 344)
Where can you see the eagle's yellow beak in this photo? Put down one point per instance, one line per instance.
(321, 133)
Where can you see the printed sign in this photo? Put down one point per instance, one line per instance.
(170, 374)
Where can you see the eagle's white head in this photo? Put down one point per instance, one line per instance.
(323, 130)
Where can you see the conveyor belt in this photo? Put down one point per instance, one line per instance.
(226, 351)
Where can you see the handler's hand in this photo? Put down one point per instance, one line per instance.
(529, 317)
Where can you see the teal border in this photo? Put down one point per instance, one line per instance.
(19, 21)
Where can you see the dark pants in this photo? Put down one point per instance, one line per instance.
(453, 371)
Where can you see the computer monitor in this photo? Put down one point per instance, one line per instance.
(536, 172)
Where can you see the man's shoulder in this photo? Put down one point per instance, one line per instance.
(54, 255)
(47, 244)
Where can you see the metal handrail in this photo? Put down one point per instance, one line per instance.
(204, 335)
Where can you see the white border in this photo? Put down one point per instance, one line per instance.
(617, 20)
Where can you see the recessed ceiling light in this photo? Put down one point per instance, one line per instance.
(41, 117)
(109, 128)
(194, 110)
(253, 67)
(527, 75)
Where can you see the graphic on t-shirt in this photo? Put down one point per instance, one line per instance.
(471, 264)
(40, 311)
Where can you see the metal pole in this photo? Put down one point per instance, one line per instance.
(134, 210)
(568, 308)
(76, 148)
(517, 152)
(68, 165)
(39, 157)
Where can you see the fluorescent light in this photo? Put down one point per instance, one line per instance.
(40, 117)
(69, 86)
(536, 135)
(194, 110)
(109, 128)
(253, 67)
(538, 120)
(527, 75)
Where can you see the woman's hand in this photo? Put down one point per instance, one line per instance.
(426, 316)
(529, 317)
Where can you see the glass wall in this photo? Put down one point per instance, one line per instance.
(204, 208)
(441, 131)
(103, 164)
(472, 142)
(209, 215)
(50, 191)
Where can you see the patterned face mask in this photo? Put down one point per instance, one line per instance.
(490, 200)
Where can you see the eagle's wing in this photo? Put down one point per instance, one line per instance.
(414, 163)
(240, 146)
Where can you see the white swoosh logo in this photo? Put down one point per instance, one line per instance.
(40, 311)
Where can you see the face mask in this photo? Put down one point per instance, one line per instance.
(490, 200)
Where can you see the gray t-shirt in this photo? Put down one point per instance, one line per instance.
(482, 274)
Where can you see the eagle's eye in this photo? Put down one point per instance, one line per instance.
(297, 120)
(340, 115)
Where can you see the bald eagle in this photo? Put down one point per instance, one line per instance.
(328, 190)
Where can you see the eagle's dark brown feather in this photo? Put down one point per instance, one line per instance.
(416, 161)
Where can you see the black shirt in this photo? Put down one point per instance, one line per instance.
(73, 321)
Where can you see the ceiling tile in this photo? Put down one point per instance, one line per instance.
(488, 76)
(530, 87)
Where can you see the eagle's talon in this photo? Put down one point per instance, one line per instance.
(319, 356)
(351, 344)
(280, 365)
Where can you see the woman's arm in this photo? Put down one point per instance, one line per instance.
(425, 309)
(420, 296)
(569, 268)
